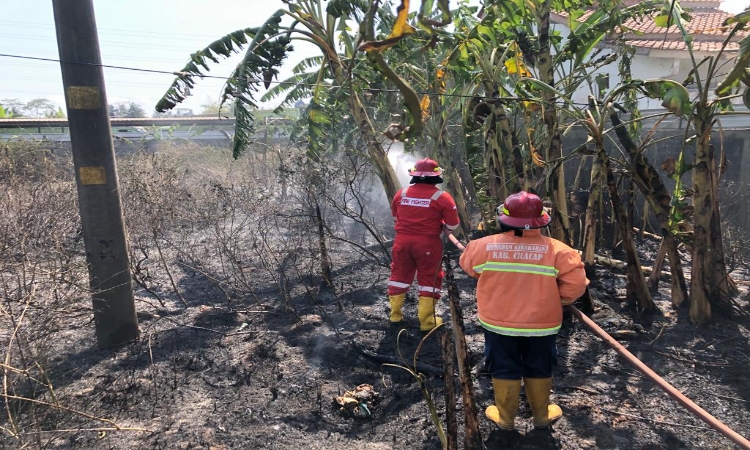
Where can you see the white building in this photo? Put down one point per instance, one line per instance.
(661, 52)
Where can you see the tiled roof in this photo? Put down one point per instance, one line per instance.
(698, 46)
(705, 22)
(705, 26)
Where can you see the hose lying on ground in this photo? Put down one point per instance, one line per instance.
(668, 388)
(638, 364)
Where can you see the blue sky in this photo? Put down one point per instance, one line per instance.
(146, 34)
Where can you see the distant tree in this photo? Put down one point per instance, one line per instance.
(40, 107)
(13, 106)
(135, 110)
(59, 114)
(211, 108)
(127, 109)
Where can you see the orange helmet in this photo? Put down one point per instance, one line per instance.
(523, 210)
(426, 168)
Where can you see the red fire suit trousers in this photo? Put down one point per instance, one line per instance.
(416, 254)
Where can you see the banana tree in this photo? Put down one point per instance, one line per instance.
(441, 105)
(580, 54)
(267, 47)
(710, 282)
(486, 114)
(500, 148)
(637, 288)
(648, 180)
(420, 65)
(593, 119)
(521, 141)
(535, 41)
(555, 186)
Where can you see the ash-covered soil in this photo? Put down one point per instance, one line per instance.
(263, 371)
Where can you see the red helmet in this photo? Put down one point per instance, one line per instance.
(523, 210)
(426, 168)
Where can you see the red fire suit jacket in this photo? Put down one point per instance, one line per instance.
(421, 209)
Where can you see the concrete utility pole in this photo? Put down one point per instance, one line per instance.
(96, 172)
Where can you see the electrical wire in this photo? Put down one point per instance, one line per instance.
(135, 69)
(45, 26)
(106, 43)
(258, 80)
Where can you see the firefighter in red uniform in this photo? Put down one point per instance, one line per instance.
(523, 281)
(421, 212)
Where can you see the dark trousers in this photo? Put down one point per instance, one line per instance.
(516, 357)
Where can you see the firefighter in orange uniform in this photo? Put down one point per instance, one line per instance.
(421, 212)
(523, 281)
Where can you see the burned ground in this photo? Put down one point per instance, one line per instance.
(258, 353)
(255, 375)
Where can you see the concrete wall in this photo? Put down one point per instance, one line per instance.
(743, 167)
(734, 183)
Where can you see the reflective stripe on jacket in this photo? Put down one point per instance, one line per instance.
(523, 282)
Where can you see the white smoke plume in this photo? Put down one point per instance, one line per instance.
(401, 162)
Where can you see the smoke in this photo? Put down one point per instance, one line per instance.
(401, 162)
(369, 189)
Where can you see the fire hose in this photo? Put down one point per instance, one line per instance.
(643, 368)
(668, 388)
(453, 239)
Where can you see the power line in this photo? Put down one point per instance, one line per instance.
(104, 42)
(52, 54)
(46, 26)
(51, 80)
(130, 56)
(133, 84)
(256, 80)
(104, 57)
(135, 69)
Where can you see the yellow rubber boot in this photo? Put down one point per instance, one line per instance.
(503, 412)
(537, 393)
(397, 302)
(426, 313)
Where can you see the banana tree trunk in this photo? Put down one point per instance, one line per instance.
(560, 226)
(651, 186)
(708, 273)
(522, 180)
(375, 151)
(679, 284)
(637, 288)
(592, 213)
(653, 278)
(497, 141)
(325, 259)
(725, 287)
(454, 186)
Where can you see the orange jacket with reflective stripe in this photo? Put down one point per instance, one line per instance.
(523, 282)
